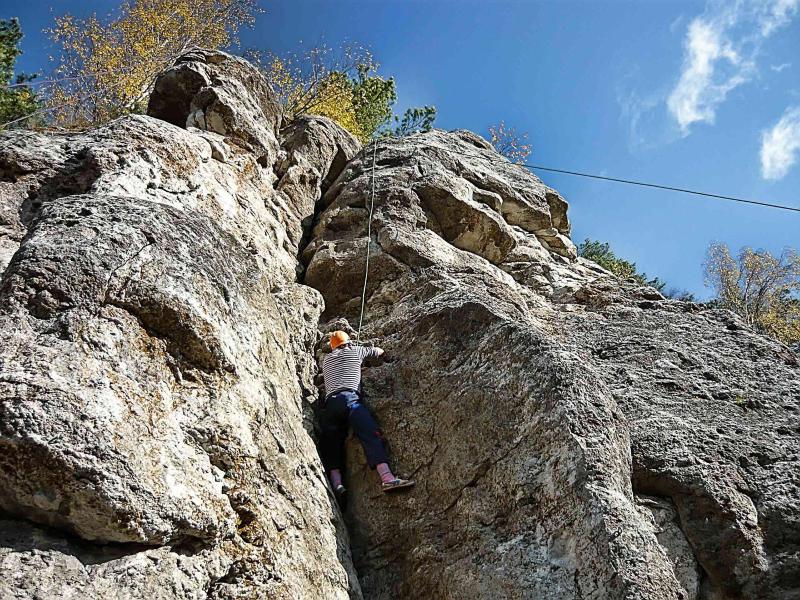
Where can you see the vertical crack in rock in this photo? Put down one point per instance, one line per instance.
(720, 523)
(519, 433)
(572, 436)
(155, 350)
(452, 324)
(670, 534)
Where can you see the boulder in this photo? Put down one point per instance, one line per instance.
(215, 91)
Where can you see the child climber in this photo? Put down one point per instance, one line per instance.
(342, 409)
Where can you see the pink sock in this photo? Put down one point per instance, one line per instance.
(385, 472)
(336, 478)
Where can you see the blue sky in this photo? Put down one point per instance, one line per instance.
(702, 95)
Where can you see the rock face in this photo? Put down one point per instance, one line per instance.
(573, 436)
(165, 283)
(155, 355)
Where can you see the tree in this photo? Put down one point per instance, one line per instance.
(311, 81)
(678, 294)
(18, 101)
(415, 120)
(341, 84)
(761, 288)
(603, 255)
(373, 98)
(334, 99)
(509, 143)
(107, 67)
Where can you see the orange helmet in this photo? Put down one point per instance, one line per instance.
(339, 338)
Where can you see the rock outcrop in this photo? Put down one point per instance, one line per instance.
(155, 353)
(573, 436)
(165, 283)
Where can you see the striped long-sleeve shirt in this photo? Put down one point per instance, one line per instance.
(342, 367)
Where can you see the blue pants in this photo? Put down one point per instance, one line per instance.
(342, 411)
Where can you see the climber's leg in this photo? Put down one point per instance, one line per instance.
(368, 432)
(385, 472)
(336, 478)
(333, 425)
(371, 438)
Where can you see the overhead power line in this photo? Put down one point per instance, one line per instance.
(657, 186)
(665, 187)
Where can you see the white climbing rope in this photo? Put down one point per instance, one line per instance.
(369, 243)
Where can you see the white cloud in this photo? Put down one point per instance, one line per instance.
(780, 145)
(776, 14)
(720, 49)
(697, 94)
(646, 125)
(780, 67)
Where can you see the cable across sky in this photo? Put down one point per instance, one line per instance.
(665, 187)
(657, 186)
(645, 184)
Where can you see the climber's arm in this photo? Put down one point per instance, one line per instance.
(370, 351)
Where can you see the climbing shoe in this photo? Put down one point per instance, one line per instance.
(396, 484)
(341, 497)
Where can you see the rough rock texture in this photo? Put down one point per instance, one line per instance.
(573, 436)
(713, 411)
(217, 92)
(154, 355)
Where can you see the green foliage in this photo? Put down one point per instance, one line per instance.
(342, 84)
(603, 255)
(415, 120)
(373, 98)
(679, 294)
(17, 100)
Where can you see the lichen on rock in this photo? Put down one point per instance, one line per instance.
(154, 355)
(166, 283)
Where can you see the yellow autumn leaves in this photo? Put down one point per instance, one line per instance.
(339, 83)
(107, 68)
(330, 96)
(761, 288)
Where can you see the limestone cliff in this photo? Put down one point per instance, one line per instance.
(166, 281)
